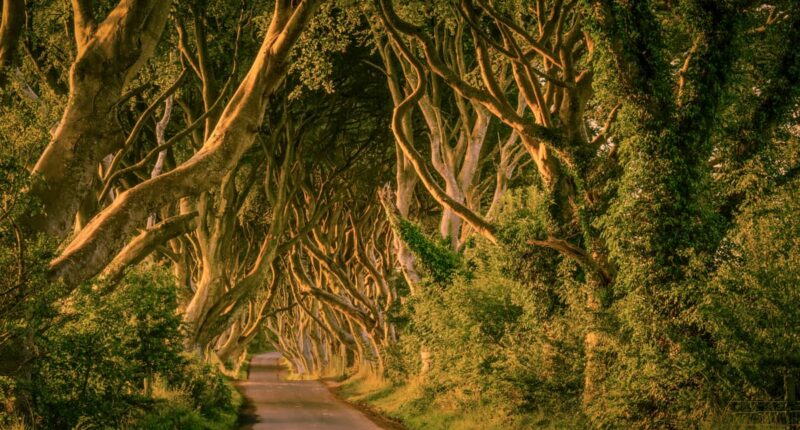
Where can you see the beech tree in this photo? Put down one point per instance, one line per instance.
(234, 133)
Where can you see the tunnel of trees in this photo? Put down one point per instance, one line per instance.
(514, 213)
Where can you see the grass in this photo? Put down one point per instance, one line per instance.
(412, 405)
(173, 409)
(334, 371)
(417, 408)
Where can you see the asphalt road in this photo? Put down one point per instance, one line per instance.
(274, 404)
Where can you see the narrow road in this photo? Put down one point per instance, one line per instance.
(274, 404)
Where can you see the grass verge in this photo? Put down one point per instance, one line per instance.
(416, 407)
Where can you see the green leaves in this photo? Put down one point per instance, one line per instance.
(439, 262)
(94, 363)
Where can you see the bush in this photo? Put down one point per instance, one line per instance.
(95, 363)
(501, 337)
(97, 366)
(168, 416)
(178, 409)
(208, 389)
(26, 294)
(751, 307)
(88, 358)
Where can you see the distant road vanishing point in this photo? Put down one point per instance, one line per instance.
(274, 404)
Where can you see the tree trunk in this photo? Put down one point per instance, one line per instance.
(109, 55)
(11, 24)
(235, 132)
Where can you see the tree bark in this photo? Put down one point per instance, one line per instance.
(142, 245)
(109, 55)
(234, 134)
(11, 24)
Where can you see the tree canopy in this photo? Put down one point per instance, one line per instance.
(532, 214)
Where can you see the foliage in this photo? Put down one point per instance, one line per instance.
(440, 263)
(96, 359)
(753, 295)
(99, 357)
(96, 362)
(501, 339)
(177, 409)
(207, 388)
(508, 337)
(27, 297)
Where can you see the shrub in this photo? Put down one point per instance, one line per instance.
(94, 362)
(501, 336)
(205, 386)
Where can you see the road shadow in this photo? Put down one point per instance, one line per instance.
(247, 412)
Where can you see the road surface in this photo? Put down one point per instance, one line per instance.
(274, 404)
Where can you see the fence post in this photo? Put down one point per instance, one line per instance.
(790, 397)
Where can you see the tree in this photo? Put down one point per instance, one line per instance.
(234, 133)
